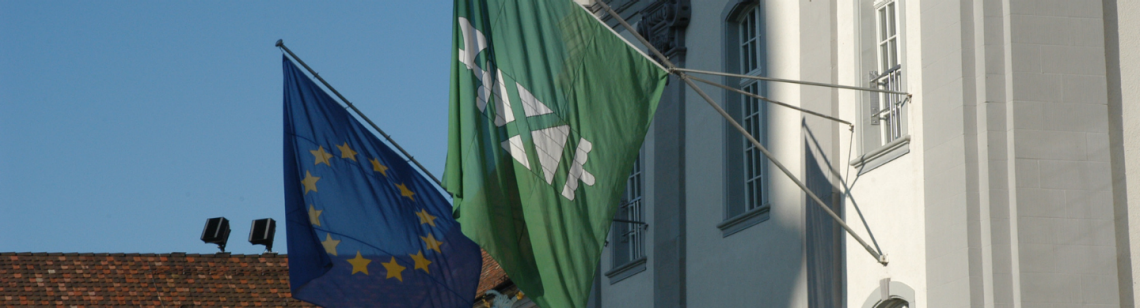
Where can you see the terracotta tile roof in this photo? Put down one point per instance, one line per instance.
(175, 279)
(492, 277)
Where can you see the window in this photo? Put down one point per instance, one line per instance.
(884, 124)
(747, 199)
(893, 303)
(628, 238)
(888, 35)
(753, 111)
(628, 232)
(885, 106)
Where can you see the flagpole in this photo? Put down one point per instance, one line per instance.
(281, 44)
(882, 259)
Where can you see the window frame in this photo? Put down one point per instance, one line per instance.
(889, 68)
(890, 30)
(884, 133)
(626, 233)
(745, 31)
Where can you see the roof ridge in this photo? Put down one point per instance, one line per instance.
(140, 254)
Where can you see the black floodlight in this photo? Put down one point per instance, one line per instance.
(261, 233)
(217, 231)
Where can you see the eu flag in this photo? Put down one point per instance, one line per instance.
(364, 228)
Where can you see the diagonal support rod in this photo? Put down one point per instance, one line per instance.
(808, 83)
(281, 44)
(742, 92)
(879, 257)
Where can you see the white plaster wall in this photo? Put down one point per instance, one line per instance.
(762, 265)
(1060, 254)
(1060, 148)
(1128, 15)
(891, 196)
(939, 41)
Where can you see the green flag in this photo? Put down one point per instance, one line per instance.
(548, 110)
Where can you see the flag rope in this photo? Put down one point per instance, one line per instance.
(878, 255)
(281, 44)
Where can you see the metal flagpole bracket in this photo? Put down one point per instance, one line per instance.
(281, 44)
(680, 72)
(642, 223)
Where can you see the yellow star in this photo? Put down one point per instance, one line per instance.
(376, 166)
(421, 262)
(321, 156)
(404, 191)
(310, 182)
(330, 244)
(315, 215)
(394, 269)
(426, 218)
(346, 152)
(359, 264)
(431, 242)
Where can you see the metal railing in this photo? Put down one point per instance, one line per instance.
(630, 232)
(887, 107)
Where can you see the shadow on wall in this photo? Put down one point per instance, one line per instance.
(788, 246)
(824, 238)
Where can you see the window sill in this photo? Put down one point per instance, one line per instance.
(625, 271)
(743, 221)
(882, 155)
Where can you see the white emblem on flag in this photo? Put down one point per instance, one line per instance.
(549, 144)
(531, 105)
(578, 171)
(473, 44)
(502, 103)
(515, 146)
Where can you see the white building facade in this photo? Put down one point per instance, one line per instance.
(1007, 178)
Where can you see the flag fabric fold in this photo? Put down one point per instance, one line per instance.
(364, 228)
(549, 108)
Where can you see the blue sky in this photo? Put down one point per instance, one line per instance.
(125, 125)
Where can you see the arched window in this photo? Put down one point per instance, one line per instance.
(890, 294)
(747, 177)
(893, 303)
